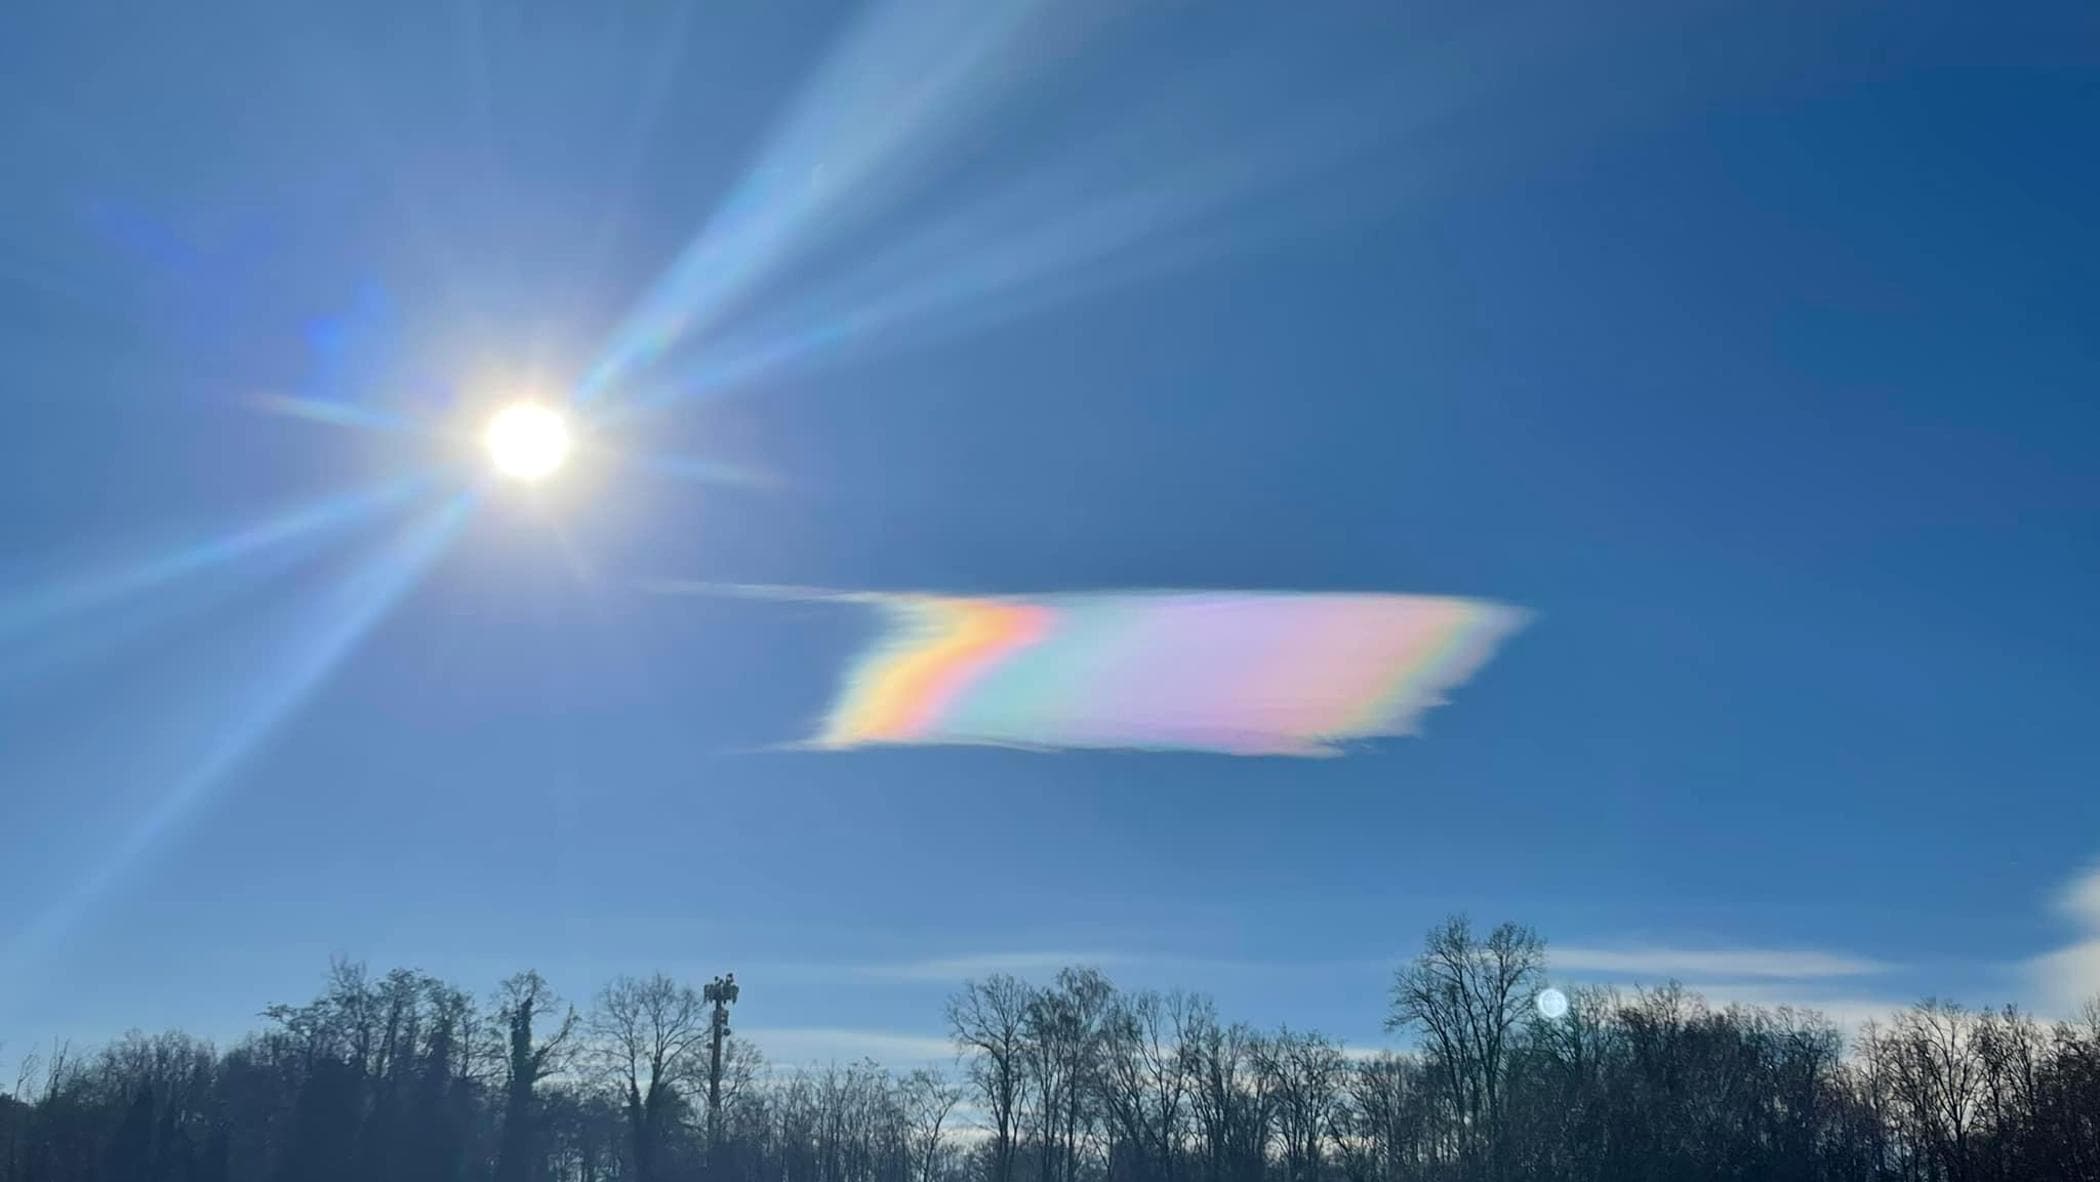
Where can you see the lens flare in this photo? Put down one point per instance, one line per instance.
(329, 631)
(301, 525)
(899, 87)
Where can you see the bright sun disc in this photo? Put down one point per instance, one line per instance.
(526, 441)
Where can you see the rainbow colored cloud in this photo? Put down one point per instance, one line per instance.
(1235, 672)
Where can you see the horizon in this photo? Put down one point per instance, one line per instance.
(1833, 987)
(1071, 1073)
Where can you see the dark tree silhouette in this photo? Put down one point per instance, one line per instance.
(1468, 996)
(990, 1020)
(400, 1078)
(522, 1001)
(651, 1036)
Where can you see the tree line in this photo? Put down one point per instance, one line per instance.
(405, 1077)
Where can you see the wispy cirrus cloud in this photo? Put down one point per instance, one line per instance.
(1630, 963)
(2070, 976)
(956, 969)
(800, 1045)
(941, 970)
(1802, 978)
(1681, 963)
(1848, 1011)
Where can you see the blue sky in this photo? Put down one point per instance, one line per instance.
(1747, 346)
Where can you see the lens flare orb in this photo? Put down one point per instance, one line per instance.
(527, 441)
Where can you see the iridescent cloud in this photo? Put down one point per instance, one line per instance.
(1234, 672)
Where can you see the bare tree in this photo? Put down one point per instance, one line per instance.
(928, 1098)
(742, 1066)
(1064, 1032)
(1468, 996)
(1145, 1075)
(60, 1068)
(528, 1058)
(1387, 1123)
(1305, 1074)
(651, 1037)
(1937, 1076)
(989, 1021)
(1228, 1096)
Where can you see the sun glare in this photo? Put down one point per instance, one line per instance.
(527, 441)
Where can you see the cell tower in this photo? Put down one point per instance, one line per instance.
(721, 994)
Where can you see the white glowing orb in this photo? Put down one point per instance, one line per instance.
(1553, 1004)
(527, 441)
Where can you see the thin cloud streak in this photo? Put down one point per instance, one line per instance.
(1019, 964)
(1629, 965)
(940, 970)
(1847, 1011)
(1789, 963)
(2068, 977)
(791, 1046)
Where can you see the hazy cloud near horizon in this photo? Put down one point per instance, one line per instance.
(2069, 976)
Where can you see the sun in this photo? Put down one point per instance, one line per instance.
(527, 441)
